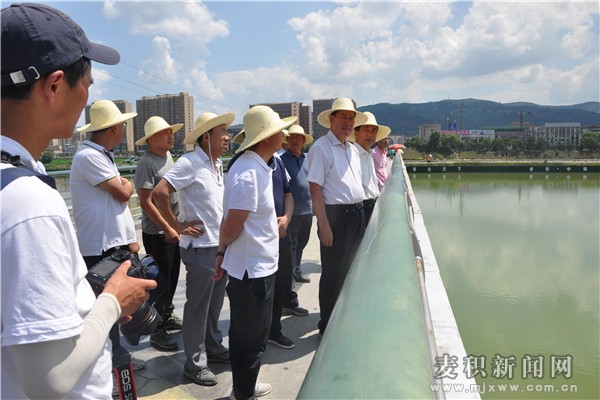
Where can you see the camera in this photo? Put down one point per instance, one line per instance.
(145, 319)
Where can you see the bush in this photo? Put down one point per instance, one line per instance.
(47, 157)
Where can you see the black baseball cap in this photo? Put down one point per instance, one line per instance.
(38, 39)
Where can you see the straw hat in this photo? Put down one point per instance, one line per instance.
(299, 130)
(342, 103)
(205, 122)
(382, 130)
(104, 114)
(260, 123)
(239, 138)
(155, 125)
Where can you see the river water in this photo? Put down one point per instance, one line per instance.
(520, 258)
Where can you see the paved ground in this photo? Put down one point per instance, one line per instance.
(283, 369)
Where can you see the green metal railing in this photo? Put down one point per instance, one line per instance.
(375, 346)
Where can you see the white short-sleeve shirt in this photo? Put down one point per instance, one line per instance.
(102, 221)
(45, 295)
(249, 187)
(367, 168)
(336, 168)
(200, 189)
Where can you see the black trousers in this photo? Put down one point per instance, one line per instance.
(168, 259)
(251, 306)
(347, 224)
(299, 232)
(283, 287)
(369, 206)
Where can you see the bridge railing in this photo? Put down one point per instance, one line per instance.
(376, 343)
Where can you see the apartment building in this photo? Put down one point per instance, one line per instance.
(319, 106)
(563, 133)
(174, 108)
(292, 109)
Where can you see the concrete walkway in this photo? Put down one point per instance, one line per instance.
(284, 369)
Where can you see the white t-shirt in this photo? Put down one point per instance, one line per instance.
(44, 291)
(102, 221)
(249, 187)
(336, 168)
(367, 168)
(200, 189)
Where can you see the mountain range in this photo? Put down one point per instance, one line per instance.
(405, 118)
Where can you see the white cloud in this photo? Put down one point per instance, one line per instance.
(161, 63)
(426, 51)
(99, 89)
(174, 20)
(378, 52)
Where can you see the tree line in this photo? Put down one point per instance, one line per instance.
(532, 147)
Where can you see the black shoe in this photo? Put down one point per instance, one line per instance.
(283, 342)
(162, 340)
(173, 323)
(300, 278)
(299, 311)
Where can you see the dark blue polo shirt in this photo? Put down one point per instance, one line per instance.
(298, 170)
(280, 184)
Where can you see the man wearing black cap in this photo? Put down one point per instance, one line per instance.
(54, 330)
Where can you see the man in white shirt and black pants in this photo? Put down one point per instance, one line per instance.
(335, 180)
(249, 248)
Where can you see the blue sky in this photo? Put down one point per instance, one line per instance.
(232, 54)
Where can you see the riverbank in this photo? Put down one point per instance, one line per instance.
(543, 166)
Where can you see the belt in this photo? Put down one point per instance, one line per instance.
(370, 202)
(346, 207)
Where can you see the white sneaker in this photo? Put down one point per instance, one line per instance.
(262, 389)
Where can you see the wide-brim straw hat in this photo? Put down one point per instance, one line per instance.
(205, 122)
(382, 130)
(239, 138)
(260, 123)
(342, 103)
(299, 130)
(155, 125)
(104, 114)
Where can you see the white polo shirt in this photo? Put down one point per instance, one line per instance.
(336, 168)
(200, 189)
(367, 168)
(249, 187)
(45, 295)
(102, 221)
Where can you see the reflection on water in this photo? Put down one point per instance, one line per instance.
(520, 258)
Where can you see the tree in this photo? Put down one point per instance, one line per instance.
(590, 142)
(47, 157)
(450, 144)
(434, 143)
(417, 143)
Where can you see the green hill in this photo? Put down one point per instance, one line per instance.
(405, 118)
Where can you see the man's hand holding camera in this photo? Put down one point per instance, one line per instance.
(130, 292)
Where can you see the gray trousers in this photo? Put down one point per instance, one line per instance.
(204, 300)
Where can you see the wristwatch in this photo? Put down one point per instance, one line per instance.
(220, 254)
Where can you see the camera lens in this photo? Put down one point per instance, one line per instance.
(143, 322)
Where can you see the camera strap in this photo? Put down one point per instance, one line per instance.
(124, 374)
(8, 175)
